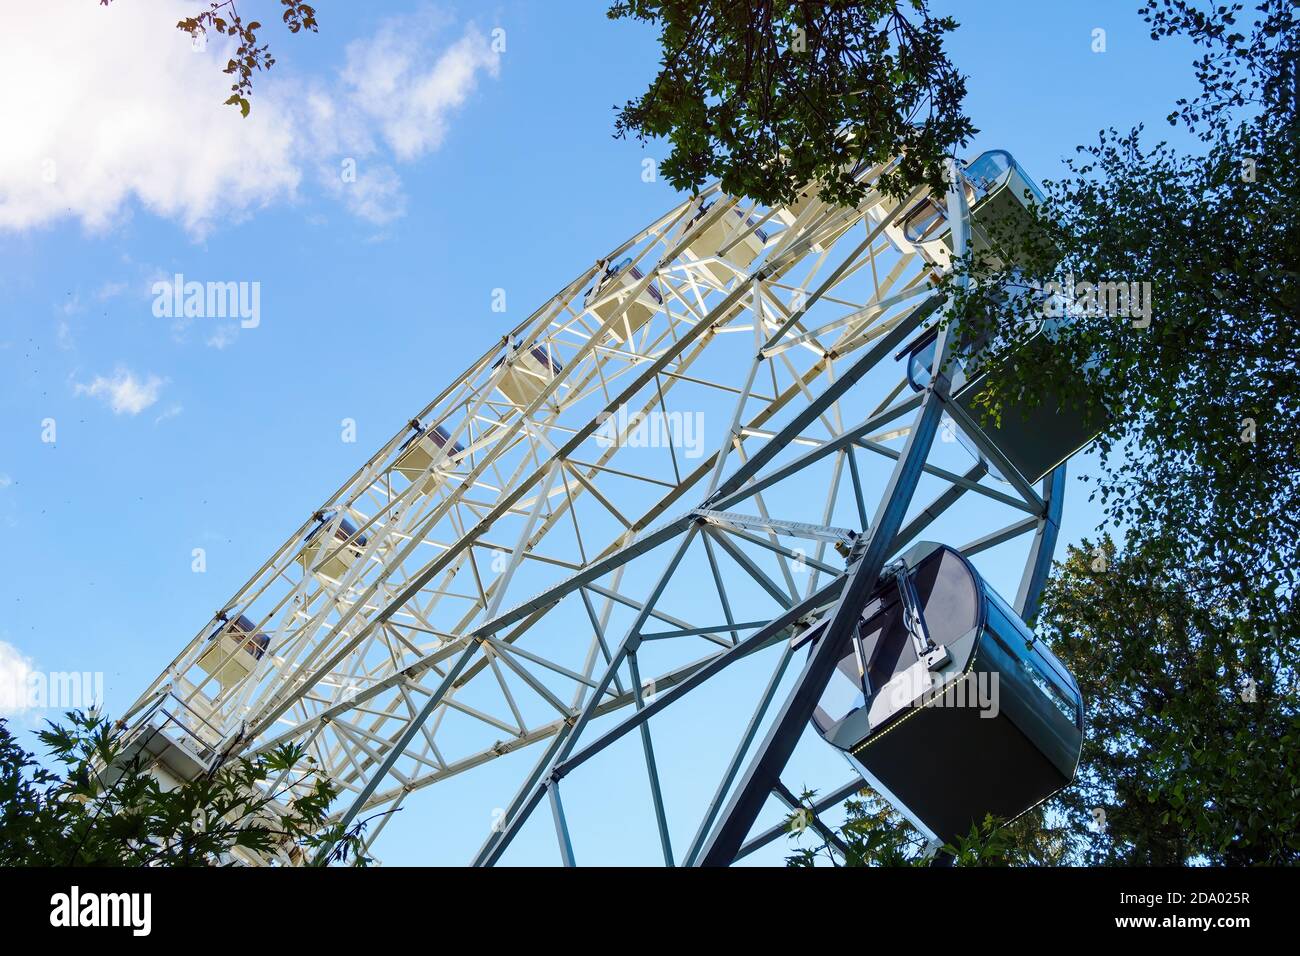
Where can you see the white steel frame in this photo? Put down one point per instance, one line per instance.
(509, 598)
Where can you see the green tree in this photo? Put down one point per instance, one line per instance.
(1191, 749)
(875, 834)
(772, 95)
(1202, 393)
(99, 805)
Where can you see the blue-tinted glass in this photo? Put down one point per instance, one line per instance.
(988, 167)
(1035, 660)
(924, 221)
(843, 694)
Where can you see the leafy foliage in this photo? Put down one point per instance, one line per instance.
(1169, 634)
(874, 834)
(1203, 402)
(102, 806)
(1191, 753)
(250, 56)
(772, 95)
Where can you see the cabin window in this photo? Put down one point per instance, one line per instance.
(843, 693)
(987, 168)
(1018, 640)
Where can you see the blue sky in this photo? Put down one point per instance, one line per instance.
(476, 171)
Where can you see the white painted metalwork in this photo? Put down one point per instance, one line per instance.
(524, 565)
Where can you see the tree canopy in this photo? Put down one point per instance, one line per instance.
(772, 95)
(1203, 392)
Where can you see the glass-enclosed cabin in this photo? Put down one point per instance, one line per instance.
(956, 711)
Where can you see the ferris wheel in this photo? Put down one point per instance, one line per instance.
(684, 506)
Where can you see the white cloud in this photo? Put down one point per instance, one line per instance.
(128, 122)
(375, 195)
(139, 120)
(390, 82)
(110, 290)
(5, 480)
(169, 414)
(14, 671)
(124, 393)
(223, 336)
